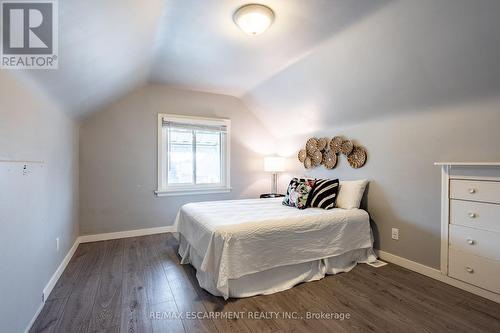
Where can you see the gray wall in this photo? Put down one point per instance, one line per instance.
(118, 158)
(404, 190)
(33, 128)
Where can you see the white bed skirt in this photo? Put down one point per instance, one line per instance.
(275, 279)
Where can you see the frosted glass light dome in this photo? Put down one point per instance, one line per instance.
(254, 19)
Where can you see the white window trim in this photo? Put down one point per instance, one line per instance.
(162, 188)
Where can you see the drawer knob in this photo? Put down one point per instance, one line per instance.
(472, 190)
(469, 270)
(470, 241)
(472, 215)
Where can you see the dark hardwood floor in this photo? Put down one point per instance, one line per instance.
(137, 285)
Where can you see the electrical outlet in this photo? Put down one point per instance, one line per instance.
(395, 233)
(57, 244)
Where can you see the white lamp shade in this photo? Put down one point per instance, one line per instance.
(274, 164)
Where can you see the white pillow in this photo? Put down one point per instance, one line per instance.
(351, 193)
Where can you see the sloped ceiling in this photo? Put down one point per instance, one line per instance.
(325, 62)
(409, 56)
(105, 50)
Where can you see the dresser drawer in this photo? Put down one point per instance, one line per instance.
(475, 214)
(475, 270)
(475, 241)
(475, 190)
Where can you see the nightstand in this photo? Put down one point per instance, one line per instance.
(271, 195)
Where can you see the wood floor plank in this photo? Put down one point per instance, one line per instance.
(185, 295)
(69, 278)
(217, 304)
(156, 283)
(78, 308)
(314, 300)
(164, 318)
(299, 303)
(108, 300)
(442, 294)
(378, 305)
(134, 314)
(379, 300)
(49, 316)
(417, 282)
(160, 297)
(250, 305)
(114, 329)
(347, 300)
(138, 285)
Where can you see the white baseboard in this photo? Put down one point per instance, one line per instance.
(411, 265)
(32, 321)
(53, 280)
(437, 275)
(125, 234)
(57, 274)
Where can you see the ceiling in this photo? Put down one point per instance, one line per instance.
(407, 57)
(322, 61)
(200, 47)
(108, 48)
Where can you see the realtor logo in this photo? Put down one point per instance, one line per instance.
(29, 34)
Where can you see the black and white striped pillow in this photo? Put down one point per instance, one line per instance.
(324, 193)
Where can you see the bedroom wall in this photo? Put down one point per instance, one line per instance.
(414, 82)
(31, 218)
(405, 188)
(118, 158)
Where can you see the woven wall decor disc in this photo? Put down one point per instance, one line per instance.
(308, 163)
(311, 146)
(347, 147)
(317, 158)
(322, 142)
(357, 157)
(328, 141)
(336, 144)
(329, 159)
(302, 155)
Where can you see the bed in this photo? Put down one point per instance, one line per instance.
(242, 248)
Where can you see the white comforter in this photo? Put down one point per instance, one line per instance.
(240, 237)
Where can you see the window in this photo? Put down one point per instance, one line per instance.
(193, 155)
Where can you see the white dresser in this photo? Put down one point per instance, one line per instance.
(470, 225)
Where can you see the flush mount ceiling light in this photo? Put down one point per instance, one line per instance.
(253, 19)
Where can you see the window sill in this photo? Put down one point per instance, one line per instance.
(169, 193)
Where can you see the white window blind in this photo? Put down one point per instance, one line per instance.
(193, 155)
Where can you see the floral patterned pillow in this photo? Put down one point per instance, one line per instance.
(298, 192)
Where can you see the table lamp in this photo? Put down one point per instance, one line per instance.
(274, 164)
